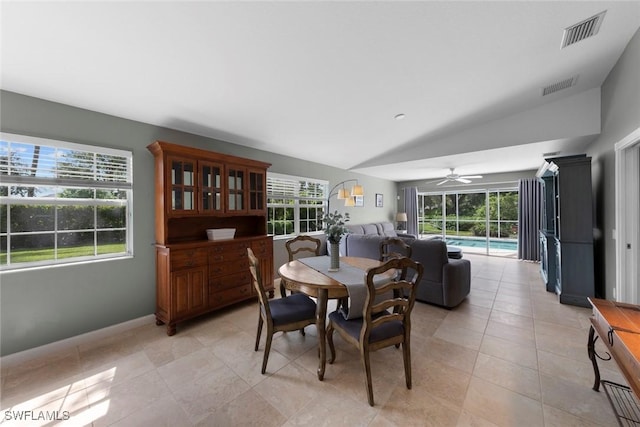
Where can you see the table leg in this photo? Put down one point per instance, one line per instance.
(591, 351)
(321, 315)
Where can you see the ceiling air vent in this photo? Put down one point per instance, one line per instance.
(571, 81)
(582, 30)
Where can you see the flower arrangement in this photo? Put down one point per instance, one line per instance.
(335, 226)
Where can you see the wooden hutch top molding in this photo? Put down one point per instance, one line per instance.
(159, 147)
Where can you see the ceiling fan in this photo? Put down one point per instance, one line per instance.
(466, 179)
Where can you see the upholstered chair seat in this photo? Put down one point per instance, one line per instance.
(292, 309)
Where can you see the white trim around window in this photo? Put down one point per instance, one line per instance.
(63, 202)
(295, 205)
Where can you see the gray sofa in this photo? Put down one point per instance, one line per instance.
(377, 229)
(445, 282)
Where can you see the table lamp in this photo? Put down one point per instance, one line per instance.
(401, 219)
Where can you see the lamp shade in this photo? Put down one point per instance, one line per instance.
(349, 202)
(401, 217)
(357, 190)
(343, 194)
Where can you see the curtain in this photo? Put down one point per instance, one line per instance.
(411, 208)
(529, 219)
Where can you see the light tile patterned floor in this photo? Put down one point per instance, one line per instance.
(510, 355)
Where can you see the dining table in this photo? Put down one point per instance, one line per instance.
(311, 277)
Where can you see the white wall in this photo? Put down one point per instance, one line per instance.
(620, 116)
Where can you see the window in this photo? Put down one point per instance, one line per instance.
(294, 205)
(62, 202)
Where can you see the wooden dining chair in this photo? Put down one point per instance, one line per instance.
(384, 323)
(298, 246)
(280, 315)
(394, 247)
(303, 243)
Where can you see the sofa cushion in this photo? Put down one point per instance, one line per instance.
(355, 229)
(370, 229)
(386, 229)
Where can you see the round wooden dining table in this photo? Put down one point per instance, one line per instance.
(300, 277)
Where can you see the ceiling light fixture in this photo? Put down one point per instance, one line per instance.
(400, 116)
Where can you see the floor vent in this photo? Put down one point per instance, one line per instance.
(582, 30)
(566, 83)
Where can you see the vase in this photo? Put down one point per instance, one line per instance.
(335, 257)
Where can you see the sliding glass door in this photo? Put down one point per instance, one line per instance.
(479, 221)
(430, 215)
(503, 222)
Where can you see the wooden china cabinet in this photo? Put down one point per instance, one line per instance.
(195, 190)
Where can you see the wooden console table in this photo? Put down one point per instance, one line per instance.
(618, 325)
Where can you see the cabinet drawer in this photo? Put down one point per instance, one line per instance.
(219, 283)
(228, 252)
(232, 255)
(229, 267)
(240, 293)
(188, 259)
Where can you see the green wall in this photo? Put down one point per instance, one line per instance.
(40, 306)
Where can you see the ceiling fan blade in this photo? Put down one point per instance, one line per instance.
(442, 182)
(463, 180)
(471, 176)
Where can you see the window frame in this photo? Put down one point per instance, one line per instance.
(297, 202)
(48, 179)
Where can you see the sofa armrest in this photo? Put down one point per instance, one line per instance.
(456, 281)
(407, 236)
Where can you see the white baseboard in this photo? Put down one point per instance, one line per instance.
(23, 356)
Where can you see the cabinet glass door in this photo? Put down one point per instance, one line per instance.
(211, 187)
(235, 189)
(256, 191)
(182, 185)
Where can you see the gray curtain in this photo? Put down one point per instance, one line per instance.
(529, 219)
(411, 208)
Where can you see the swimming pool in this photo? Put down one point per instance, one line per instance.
(482, 243)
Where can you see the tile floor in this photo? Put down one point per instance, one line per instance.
(510, 355)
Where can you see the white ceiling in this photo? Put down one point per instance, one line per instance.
(322, 81)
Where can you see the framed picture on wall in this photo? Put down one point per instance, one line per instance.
(359, 201)
(378, 200)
